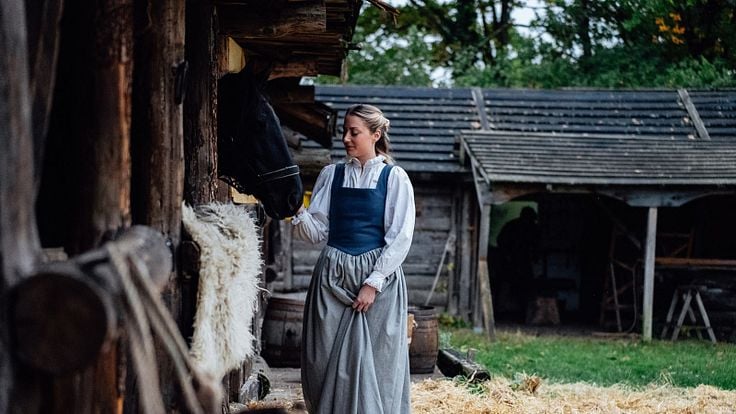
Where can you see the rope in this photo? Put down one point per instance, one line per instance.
(141, 342)
(145, 313)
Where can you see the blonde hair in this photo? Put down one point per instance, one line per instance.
(375, 121)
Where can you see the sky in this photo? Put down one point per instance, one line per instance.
(521, 15)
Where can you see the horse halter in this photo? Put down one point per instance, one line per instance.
(279, 174)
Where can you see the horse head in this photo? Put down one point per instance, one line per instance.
(252, 153)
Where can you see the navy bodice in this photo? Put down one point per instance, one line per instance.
(357, 214)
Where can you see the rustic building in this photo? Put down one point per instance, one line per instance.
(590, 162)
(424, 123)
(109, 119)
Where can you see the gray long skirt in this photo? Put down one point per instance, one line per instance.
(354, 362)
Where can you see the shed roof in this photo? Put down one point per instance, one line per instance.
(717, 109)
(634, 137)
(569, 136)
(597, 159)
(424, 122)
(639, 113)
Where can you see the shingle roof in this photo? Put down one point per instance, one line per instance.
(717, 109)
(595, 159)
(571, 136)
(424, 122)
(634, 112)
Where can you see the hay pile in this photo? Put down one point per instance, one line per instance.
(503, 396)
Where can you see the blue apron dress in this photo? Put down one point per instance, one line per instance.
(355, 362)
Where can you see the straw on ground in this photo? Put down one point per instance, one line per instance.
(498, 396)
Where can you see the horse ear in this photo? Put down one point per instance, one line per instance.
(259, 70)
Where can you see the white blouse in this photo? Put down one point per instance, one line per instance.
(313, 224)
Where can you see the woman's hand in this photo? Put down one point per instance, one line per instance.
(366, 297)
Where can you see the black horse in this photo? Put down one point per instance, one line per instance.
(252, 152)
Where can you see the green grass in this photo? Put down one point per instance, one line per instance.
(602, 361)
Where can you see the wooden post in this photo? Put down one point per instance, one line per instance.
(19, 244)
(158, 149)
(91, 132)
(651, 244)
(201, 185)
(484, 283)
(464, 287)
(43, 47)
(200, 112)
(285, 254)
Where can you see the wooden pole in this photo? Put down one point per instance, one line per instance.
(484, 283)
(651, 244)
(201, 184)
(464, 286)
(19, 243)
(44, 17)
(159, 83)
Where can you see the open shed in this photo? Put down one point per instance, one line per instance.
(649, 150)
(593, 163)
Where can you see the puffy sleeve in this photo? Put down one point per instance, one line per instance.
(313, 223)
(399, 219)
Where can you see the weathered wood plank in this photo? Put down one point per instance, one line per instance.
(649, 251)
(158, 151)
(43, 47)
(19, 244)
(451, 363)
(93, 138)
(244, 23)
(201, 184)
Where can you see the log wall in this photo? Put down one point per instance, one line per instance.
(439, 209)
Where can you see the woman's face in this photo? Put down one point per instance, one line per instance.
(358, 139)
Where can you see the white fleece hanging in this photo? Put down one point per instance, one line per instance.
(228, 285)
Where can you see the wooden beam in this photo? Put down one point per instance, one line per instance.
(692, 112)
(316, 121)
(451, 363)
(695, 263)
(295, 67)
(44, 17)
(201, 184)
(158, 148)
(288, 91)
(466, 253)
(480, 106)
(19, 243)
(651, 244)
(294, 19)
(484, 282)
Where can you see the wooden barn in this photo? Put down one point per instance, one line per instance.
(628, 185)
(424, 123)
(109, 122)
(594, 165)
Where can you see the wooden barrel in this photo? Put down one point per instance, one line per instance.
(425, 341)
(282, 332)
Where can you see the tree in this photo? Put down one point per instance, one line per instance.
(601, 43)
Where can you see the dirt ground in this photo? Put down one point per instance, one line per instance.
(286, 388)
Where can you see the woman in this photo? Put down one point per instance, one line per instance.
(354, 345)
